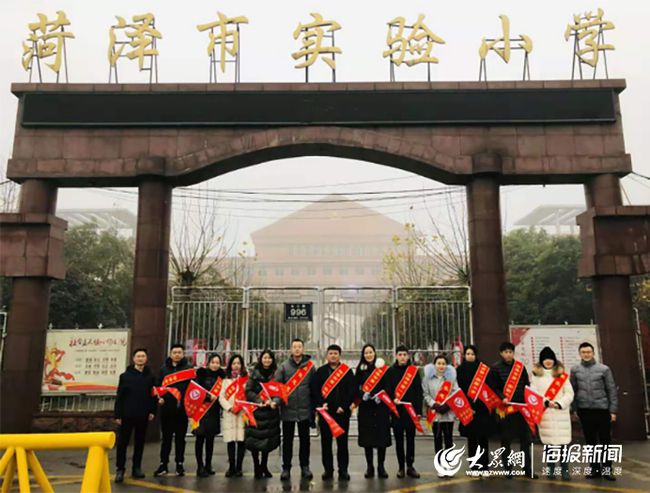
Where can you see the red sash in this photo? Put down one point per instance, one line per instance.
(236, 388)
(179, 376)
(298, 377)
(513, 379)
(334, 380)
(509, 389)
(405, 382)
(555, 386)
(440, 398)
(489, 397)
(374, 378)
(205, 407)
(477, 381)
(171, 379)
(413, 415)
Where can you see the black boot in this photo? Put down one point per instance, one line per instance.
(381, 471)
(370, 472)
(137, 473)
(119, 476)
(412, 473)
(202, 472)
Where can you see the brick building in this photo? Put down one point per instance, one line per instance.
(334, 241)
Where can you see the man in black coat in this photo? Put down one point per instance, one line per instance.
(512, 426)
(338, 402)
(173, 420)
(134, 408)
(404, 424)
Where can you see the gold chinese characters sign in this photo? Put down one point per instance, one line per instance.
(406, 44)
(224, 33)
(46, 39)
(141, 35)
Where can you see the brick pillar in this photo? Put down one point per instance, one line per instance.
(22, 364)
(616, 325)
(488, 285)
(151, 269)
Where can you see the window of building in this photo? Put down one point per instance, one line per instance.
(311, 271)
(279, 271)
(327, 270)
(295, 271)
(343, 270)
(359, 270)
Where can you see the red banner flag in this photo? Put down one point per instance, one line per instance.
(534, 403)
(413, 415)
(489, 397)
(196, 418)
(459, 404)
(248, 408)
(385, 398)
(334, 427)
(276, 389)
(525, 412)
(194, 397)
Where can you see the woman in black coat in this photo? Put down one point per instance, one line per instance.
(265, 437)
(373, 415)
(210, 425)
(479, 429)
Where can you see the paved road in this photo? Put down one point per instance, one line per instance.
(65, 470)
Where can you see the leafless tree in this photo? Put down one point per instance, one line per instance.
(198, 248)
(438, 257)
(9, 190)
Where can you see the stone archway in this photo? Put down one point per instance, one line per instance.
(481, 135)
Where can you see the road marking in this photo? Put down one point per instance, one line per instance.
(584, 486)
(155, 486)
(434, 484)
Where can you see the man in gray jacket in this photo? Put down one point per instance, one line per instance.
(296, 373)
(596, 402)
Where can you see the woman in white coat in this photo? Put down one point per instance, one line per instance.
(232, 424)
(555, 427)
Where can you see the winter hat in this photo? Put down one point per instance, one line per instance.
(547, 353)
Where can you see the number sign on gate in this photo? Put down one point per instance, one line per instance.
(298, 312)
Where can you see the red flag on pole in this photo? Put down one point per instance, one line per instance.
(194, 397)
(459, 404)
(335, 428)
(248, 408)
(385, 398)
(535, 404)
(489, 397)
(525, 412)
(276, 389)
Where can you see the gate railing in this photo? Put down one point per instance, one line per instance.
(250, 319)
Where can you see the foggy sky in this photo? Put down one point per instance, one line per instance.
(266, 47)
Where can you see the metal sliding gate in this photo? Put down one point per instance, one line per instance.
(248, 320)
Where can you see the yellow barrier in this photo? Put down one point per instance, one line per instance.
(19, 457)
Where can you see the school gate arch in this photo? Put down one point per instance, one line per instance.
(156, 137)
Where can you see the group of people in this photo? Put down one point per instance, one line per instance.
(262, 410)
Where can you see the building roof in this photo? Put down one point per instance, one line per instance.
(332, 215)
(104, 218)
(551, 215)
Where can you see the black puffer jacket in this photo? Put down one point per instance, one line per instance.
(134, 399)
(211, 422)
(264, 437)
(172, 407)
